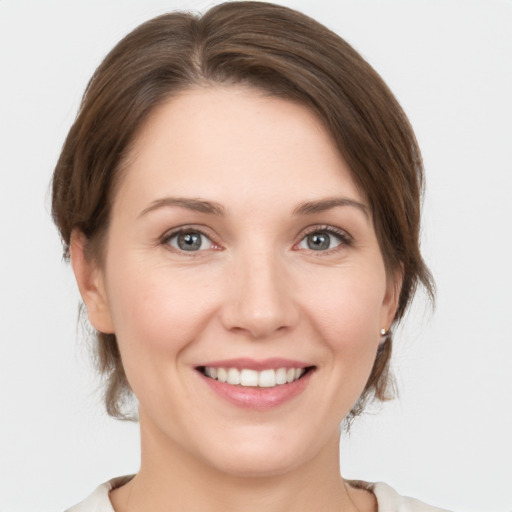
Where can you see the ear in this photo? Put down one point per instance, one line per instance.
(89, 278)
(390, 303)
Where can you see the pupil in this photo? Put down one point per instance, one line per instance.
(189, 241)
(318, 241)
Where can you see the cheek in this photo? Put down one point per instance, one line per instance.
(349, 308)
(348, 320)
(156, 311)
(157, 314)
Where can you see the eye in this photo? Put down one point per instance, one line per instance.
(189, 241)
(323, 240)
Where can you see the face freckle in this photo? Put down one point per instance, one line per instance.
(238, 237)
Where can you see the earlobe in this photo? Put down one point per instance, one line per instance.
(89, 278)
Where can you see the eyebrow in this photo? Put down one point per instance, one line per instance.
(311, 207)
(213, 208)
(196, 205)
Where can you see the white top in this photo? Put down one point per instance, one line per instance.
(388, 500)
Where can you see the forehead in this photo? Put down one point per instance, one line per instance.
(234, 144)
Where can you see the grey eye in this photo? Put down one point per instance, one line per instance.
(190, 241)
(319, 241)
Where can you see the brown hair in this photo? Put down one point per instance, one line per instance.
(276, 50)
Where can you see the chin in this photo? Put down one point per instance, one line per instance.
(261, 454)
(257, 464)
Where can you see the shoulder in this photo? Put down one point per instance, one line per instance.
(98, 501)
(389, 500)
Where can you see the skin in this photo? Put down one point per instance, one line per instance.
(255, 289)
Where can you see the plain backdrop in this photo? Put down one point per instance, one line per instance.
(447, 439)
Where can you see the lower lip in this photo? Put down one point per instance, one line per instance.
(258, 398)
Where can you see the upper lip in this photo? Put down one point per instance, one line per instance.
(256, 364)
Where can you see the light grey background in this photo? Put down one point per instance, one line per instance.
(447, 439)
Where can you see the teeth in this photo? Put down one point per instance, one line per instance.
(267, 379)
(281, 376)
(252, 378)
(249, 378)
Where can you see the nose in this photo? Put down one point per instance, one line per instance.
(259, 299)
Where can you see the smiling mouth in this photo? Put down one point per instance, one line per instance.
(246, 377)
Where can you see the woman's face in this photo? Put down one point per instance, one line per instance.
(240, 248)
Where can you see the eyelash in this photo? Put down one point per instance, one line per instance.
(342, 236)
(183, 230)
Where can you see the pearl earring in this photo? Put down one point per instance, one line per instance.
(385, 334)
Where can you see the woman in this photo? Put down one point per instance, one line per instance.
(239, 198)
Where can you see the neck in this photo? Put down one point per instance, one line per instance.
(171, 479)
